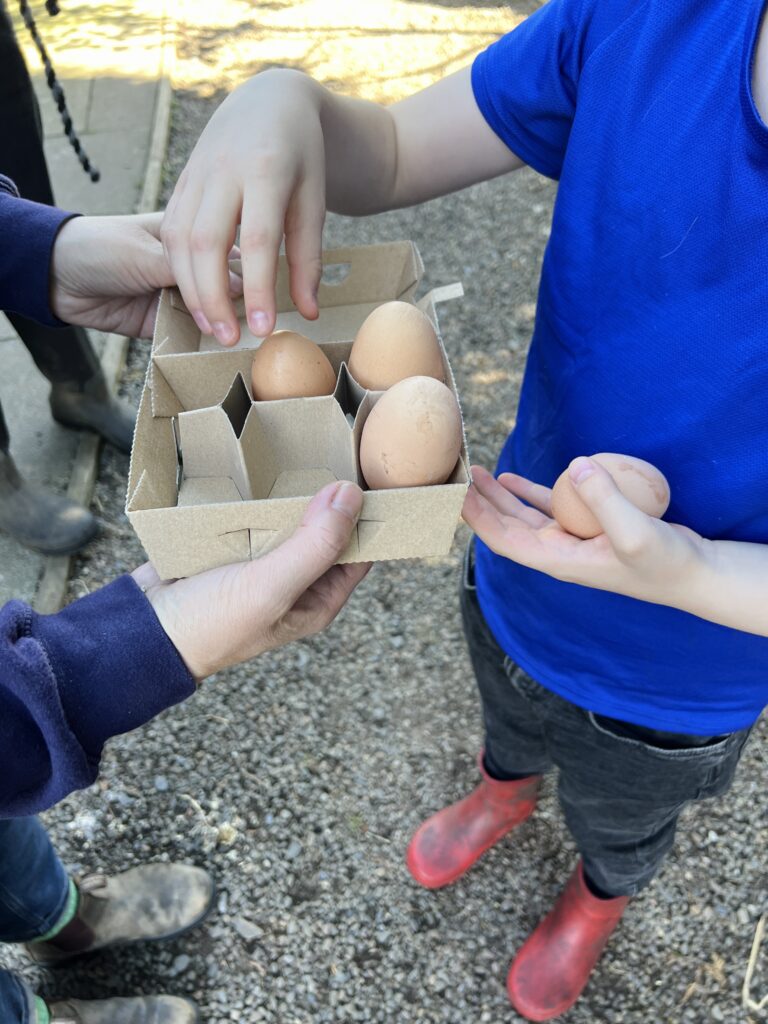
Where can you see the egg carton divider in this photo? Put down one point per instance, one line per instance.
(282, 449)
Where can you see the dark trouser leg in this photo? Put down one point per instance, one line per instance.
(80, 397)
(16, 1000)
(449, 842)
(23, 158)
(515, 742)
(66, 354)
(34, 886)
(36, 898)
(623, 787)
(63, 355)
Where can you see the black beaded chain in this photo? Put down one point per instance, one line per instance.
(55, 86)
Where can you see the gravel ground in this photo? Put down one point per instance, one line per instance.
(297, 780)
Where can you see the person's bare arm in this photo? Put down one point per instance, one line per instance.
(636, 555)
(279, 151)
(432, 143)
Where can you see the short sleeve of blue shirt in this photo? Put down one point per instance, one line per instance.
(526, 83)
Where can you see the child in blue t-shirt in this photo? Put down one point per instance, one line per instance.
(641, 685)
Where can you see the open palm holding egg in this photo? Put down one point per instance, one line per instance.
(636, 553)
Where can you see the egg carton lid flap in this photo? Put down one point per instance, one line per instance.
(442, 294)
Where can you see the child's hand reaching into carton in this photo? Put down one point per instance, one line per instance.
(278, 151)
(260, 164)
(636, 555)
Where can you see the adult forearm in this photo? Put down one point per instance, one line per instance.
(68, 682)
(28, 232)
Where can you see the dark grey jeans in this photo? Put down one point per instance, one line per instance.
(621, 786)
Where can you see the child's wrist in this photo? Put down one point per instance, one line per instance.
(704, 578)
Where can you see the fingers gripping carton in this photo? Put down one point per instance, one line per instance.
(217, 477)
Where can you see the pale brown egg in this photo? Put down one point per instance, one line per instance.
(288, 365)
(640, 482)
(395, 341)
(412, 436)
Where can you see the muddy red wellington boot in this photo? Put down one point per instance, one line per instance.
(450, 842)
(554, 964)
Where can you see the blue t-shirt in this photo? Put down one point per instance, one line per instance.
(651, 333)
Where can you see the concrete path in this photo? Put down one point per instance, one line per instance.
(113, 62)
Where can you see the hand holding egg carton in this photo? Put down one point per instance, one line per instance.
(231, 444)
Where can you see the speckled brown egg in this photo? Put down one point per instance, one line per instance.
(412, 436)
(395, 341)
(288, 365)
(640, 482)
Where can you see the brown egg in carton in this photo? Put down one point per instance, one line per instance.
(218, 477)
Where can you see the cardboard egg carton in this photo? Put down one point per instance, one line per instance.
(217, 477)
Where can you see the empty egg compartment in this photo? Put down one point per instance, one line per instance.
(230, 482)
(256, 451)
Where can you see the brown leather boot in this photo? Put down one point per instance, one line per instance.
(451, 841)
(39, 519)
(146, 904)
(139, 1010)
(91, 406)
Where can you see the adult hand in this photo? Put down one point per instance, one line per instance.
(228, 615)
(107, 272)
(636, 555)
(260, 164)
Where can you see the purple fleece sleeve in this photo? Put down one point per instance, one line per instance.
(27, 233)
(69, 681)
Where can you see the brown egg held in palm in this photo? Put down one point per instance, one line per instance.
(288, 365)
(412, 436)
(639, 482)
(395, 341)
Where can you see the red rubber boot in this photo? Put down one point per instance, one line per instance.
(554, 964)
(450, 842)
